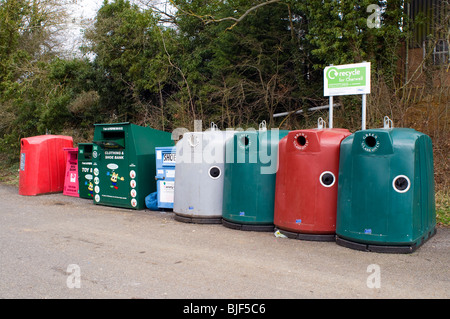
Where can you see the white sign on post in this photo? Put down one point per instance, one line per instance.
(347, 79)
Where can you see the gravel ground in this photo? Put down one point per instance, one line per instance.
(56, 246)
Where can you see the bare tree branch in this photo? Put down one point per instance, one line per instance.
(210, 19)
(181, 72)
(242, 17)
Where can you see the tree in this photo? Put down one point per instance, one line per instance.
(129, 50)
(240, 73)
(28, 42)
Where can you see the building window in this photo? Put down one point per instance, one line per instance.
(441, 53)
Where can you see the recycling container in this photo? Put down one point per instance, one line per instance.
(165, 176)
(199, 175)
(306, 183)
(249, 183)
(124, 164)
(42, 164)
(385, 190)
(71, 178)
(85, 172)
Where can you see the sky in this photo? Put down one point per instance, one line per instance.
(82, 12)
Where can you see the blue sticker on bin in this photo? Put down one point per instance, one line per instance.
(241, 213)
(298, 221)
(367, 231)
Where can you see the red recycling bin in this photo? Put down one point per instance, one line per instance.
(42, 164)
(71, 177)
(306, 183)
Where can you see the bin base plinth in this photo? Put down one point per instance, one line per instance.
(198, 220)
(248, 227)
(309, 237)
(390, 249)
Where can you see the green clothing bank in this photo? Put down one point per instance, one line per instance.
(124, 164)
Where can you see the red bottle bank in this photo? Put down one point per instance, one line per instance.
(306, 183)
(42, 164)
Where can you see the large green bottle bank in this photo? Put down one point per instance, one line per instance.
(385, 191)
(85, 171)
(249, 180)
(124, 163)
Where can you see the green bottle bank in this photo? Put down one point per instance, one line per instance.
(386, 191)
(124, 165)
(249, 183)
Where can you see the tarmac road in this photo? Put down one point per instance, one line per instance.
(55, 246)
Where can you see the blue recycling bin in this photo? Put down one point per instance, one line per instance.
(165, 176)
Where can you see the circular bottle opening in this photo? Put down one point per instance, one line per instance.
(370, 141)
(401, 184)
(301, 140)
(214, 172)
(245, 140)
(327, 179)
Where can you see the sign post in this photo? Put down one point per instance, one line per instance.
(330, 112)
(347, 79)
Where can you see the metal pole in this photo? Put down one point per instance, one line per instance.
(364, 111)
(322, 107)
(330, 112)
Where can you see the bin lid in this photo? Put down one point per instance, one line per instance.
(42, 138)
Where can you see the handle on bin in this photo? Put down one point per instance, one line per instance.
(388, 122)
(262, 126)
(321, 123)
